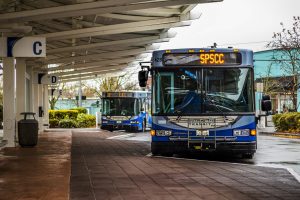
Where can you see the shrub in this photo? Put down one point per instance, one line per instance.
(80, 110)
(287, 122)
(53, 123)
(86, 120)
(75, 118)
(68, 123)
(63, 114)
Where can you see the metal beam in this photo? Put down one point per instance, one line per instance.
(92, 64)
(90, 74)
(99, 7)
(94, 31)
(90, 77)
(128, 17)
(123, 30)
(29, 14)
(141, 40)
(90, 70)
(113, 54)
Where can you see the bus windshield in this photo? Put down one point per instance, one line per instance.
(120, 106)
(187, 91)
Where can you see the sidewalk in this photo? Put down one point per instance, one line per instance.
(272, 132)
(42, 172)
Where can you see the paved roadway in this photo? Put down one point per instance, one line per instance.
(116, 166)
(272, 152)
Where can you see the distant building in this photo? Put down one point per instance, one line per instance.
(271, 78)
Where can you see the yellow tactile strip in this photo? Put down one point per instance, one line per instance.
(42, 172)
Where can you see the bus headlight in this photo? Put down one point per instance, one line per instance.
(104, 122)
(241, 132)
(163, 132)
(134, 122)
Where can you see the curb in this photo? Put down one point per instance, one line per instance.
(281, 134)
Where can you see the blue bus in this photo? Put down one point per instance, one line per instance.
(202, 100)
(127, 111)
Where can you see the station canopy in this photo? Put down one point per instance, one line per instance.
(89, 38)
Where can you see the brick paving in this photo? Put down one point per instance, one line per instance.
(119, 169)
(42, 172)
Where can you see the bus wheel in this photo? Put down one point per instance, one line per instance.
(248, 155)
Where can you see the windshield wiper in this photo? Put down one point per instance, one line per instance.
(217, 107)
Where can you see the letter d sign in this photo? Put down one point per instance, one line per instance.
(54, 79)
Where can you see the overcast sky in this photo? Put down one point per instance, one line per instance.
(234, 22)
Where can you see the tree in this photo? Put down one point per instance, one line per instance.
(286, 45)
(54, 98)
(119, 83)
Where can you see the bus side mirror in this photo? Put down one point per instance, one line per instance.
(266, 104)
(143, 78)
(142, 109)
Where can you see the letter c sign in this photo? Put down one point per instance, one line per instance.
(37, 48)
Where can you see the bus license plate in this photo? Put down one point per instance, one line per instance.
(119, 122)
(202, 132)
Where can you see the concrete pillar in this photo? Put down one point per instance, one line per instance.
(46, 105)
(9, 128)
(35, 99)
(40, 106)
(80, 93)
(29, 100)
(20, 87)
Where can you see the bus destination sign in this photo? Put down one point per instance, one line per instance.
(202, 58)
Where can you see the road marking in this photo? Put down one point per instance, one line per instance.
(297, 176)
(121, 136)
(290, 170)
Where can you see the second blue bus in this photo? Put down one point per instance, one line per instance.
(127, 111)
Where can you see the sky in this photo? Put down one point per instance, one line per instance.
(246, 24)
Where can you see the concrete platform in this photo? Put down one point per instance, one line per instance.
(104, 168)
(42, 172)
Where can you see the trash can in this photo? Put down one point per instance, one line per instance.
(28, 130)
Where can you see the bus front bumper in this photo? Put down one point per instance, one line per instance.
(110, 127)
(219, 147)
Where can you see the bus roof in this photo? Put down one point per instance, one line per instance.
(128, 94)
(246, 54)
(191, 50)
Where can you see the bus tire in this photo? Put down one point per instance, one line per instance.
(156, 150)
(248, 155)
